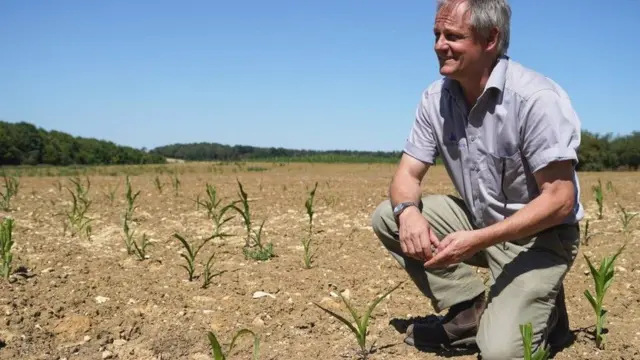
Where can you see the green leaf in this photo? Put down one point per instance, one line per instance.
(589, 297)
(345, 321)
(216, 349)
(256, 341)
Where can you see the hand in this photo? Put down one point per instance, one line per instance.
(416, 236)
(454, 248)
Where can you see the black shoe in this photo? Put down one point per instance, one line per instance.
(457, 329)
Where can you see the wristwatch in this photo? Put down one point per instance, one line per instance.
(402, 206)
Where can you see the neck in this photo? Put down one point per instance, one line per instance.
(474, 85)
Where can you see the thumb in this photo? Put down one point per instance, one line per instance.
(445, 242)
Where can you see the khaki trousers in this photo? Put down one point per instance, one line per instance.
(525, 275)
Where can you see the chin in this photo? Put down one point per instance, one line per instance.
(447, 70)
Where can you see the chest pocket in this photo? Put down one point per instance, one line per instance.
(503, 176)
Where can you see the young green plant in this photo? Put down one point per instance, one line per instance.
(587, 235)
(191, 254)
(254, 238)
(130, 197)
(11, 186)
(208, 274)
(6, 243)
(127, 220)
(360, 329)
(176, 184)
(526, 331)
(625, 218)
(111, 194)
(216, 349)
(603, 278)
(158, 184)
(141, 250)
(76, 217)
(599, 195)
(306, 242)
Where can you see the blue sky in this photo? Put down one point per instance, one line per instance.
(331, 74)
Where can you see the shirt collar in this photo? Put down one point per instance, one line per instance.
(497, 78)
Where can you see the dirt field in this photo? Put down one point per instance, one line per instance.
(88, 299)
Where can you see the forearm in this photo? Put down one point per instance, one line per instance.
(547, 210)
(404, 187)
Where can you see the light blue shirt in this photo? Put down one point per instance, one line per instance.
(521, 122)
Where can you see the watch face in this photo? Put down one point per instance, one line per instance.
(400, 207)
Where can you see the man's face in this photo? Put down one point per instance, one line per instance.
(457, 45)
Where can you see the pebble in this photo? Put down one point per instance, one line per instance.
(107, 354)
(119, 342)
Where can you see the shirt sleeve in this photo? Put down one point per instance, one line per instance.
(421, 143)
(550, 129)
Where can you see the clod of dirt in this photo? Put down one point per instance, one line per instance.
(70, 328)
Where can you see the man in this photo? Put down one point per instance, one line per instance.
(508, 138)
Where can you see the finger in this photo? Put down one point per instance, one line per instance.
(426, 245)
(435, 261)
(409, 244)
(433, 238)
(417, 246)
(403, 245)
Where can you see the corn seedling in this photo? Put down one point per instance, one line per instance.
(207, 274)
(190, 256)
(527, 341)
(141, 250)
(244, 212)
(625, 218)
(212, 204)
(603, 278)
(58, 185)
(11, 186)
(158, 184)
(6, 243)
(176, 184)
(263, 252)
(610, 187)
(111, 194)
(254, 238)
(360, 329)
(306, 243)
(216, 348)
(131, 199)
(128, 236)
(587, 235)
(597, 190)
(76, 217)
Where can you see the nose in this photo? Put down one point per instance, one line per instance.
(440, 44)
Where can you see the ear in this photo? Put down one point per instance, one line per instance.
(491, 43)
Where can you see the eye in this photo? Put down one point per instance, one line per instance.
(453, 37)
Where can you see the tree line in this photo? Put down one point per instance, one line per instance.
(596, 153)
(218, 152)
(25, 144)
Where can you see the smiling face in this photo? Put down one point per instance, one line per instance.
(462, 53)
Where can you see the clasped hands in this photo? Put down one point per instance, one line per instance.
(419, 241)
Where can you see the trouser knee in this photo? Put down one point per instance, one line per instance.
(380, 219)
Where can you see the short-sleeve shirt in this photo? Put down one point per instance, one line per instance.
(521, 122)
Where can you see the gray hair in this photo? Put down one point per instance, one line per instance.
(487, 14)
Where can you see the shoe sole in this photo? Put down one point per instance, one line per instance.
(460, 344)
